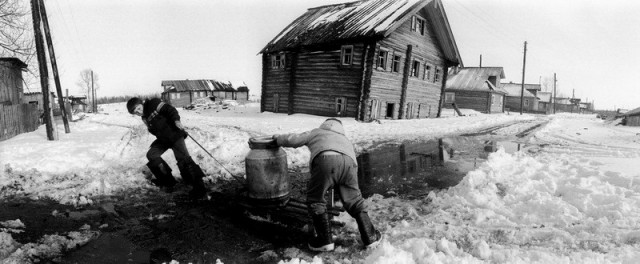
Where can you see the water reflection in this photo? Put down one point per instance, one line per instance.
(415, 168)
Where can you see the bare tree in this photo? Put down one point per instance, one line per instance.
(88, 82)
(16, 33)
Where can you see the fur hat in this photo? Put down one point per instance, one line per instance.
(131, 104)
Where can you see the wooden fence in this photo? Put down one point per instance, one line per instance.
(17, 119)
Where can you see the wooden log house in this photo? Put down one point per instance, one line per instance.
(476, 88)
(374, 59)
(529, 99)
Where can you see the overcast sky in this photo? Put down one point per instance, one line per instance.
(133, 45)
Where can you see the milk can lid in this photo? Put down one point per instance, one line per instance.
(262, 143)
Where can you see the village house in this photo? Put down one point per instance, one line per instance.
(16, 116)
(182, 93)
(374, 59)
(632, 118)
(516, 97)
(476, 88)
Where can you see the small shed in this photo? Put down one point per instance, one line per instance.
(632, 118)
(78, 103)
(16, 117)
(566, 104)
(544, 102)
(516, 97)
(476, 88)
(11, 90)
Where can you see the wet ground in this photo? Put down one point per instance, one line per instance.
(134, 227)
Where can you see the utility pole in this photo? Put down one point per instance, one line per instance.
(524, 63)
(44, 75)
(54, 65)
(93, 95)
(480, 60)
(554, 92)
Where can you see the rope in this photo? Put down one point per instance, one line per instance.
(219, 163)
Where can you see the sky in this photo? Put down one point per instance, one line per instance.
(134, 45)
(570, 195)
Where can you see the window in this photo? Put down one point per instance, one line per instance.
(427, 72)
(277, 61)
(381, 61)
(436, 77)
(390, 110)
(341, 106)
(449, 97)
(526, 102)
(418, 24)
(415, 68)
(395, 64)
(346, 55)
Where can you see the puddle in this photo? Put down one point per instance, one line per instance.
(413, 169)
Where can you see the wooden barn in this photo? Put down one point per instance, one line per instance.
(513, 97)
(371, 59)
(476, 88)
(632, 118)
(16, 117)
(181, 93)
(566, 105)
(229, 91)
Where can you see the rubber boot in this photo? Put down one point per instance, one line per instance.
(184, 173)
(198, 191)
(322, 241)
(370, 236)
(162, 172)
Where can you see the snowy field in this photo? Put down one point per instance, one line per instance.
(572, 198)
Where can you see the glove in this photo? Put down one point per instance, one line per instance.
(179, 125)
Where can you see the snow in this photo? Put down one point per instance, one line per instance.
(571, 195)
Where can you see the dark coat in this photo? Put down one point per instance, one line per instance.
(162, 122)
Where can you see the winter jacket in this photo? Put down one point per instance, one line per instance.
(329, 136)
(160, 119)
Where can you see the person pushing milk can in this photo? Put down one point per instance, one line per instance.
(333, 165)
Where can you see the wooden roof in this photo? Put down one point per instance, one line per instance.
(363, 19)
(514, 89)
(475, 79)
(544, 96)
(633, 112)
(198, 85)
(15, 61)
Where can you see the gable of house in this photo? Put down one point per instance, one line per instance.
(368, 19)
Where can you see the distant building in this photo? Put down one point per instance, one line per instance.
(369, 59)
(476, 88)
(181, 93)
(516, 95)
(544, 102)
(632, 118)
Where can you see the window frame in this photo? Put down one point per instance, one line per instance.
(427, 72)
(278, 60)
(381, 61)
(449, 97)
(436, 75)
(396, 63)
(418, 24)
(415, 67)
(340, 107)
(346, 58)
